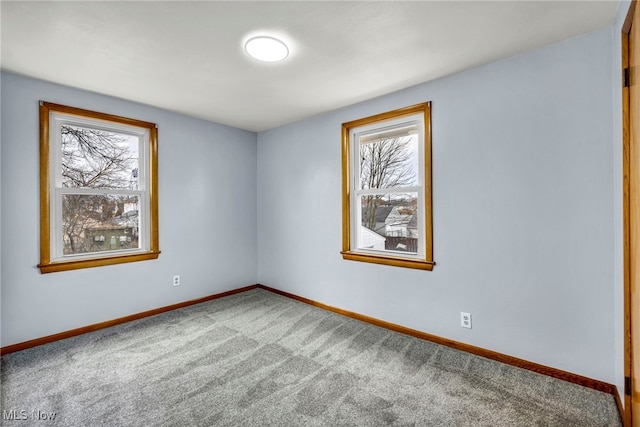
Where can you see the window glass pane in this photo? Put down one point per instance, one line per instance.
(97, 223)
(98, 159)
(389, 159)
(389, 222)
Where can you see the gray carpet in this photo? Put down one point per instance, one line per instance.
(260, 359)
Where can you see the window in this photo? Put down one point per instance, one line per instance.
(98, 189)
(386, 190)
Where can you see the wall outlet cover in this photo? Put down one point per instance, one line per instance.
(465, 320)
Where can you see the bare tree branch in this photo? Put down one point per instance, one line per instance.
(384, 163)
(96, 159)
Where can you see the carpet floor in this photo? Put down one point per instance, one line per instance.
(260, 359)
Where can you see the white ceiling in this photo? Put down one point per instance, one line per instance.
(188, 56)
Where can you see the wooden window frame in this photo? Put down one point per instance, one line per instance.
(425, 260)
(151, 251)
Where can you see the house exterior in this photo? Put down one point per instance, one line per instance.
(371, 239)
(379, 217)
(397, 222)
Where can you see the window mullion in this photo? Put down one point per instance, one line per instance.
(99, 191)
(392, 190)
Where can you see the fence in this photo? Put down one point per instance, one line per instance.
(407, 244)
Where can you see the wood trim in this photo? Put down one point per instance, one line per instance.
(400, 112)
(45, 265)
(626, 26)
(509, 360)
(393, 261)
(346, 191)
(97, 326)
(154, 225)
(45, 201)
(626, 209)
(425, 263)
(80, 112)
(428, 187)
(54, 267)
(626, 227)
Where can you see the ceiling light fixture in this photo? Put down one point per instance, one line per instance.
(266, 49)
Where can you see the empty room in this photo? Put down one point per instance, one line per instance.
(320, 213)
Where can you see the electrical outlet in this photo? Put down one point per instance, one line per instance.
(176, 280)
(465, 320)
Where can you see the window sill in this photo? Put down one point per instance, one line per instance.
(385, 260)
(53, 267)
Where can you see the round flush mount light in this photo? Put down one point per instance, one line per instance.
(265, 48)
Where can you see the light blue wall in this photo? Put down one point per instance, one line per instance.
(523, 211)
(207, 209)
